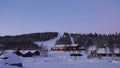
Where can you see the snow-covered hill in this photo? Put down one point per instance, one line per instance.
(71, 38)
(50, 43)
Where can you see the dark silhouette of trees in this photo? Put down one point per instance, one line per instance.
(26, 41)
(65, 39)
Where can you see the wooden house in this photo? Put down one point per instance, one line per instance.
(58, 48)
(104, 51)
(65, 47)
(29, 53)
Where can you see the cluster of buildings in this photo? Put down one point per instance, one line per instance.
(104, 50)
(72, 47)
(101, 50)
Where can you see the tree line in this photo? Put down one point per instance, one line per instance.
(26, 41)
(90, 39)
(65, 39)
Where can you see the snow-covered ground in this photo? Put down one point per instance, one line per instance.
(70, 65)
(63, 60)
(7, 59)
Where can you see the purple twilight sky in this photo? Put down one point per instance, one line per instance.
(72, 16)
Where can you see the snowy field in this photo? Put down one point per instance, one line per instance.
(70, 64)
(64, 60)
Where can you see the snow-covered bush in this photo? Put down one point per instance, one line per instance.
(43, 50)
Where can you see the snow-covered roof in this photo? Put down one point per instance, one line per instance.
(33, 51)
(26, 51)
(65, 45)
(58, 45)
(74, 44)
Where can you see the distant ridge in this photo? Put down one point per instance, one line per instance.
(27, 41)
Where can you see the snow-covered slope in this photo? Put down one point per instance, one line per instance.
(50, 43)
(71, 38)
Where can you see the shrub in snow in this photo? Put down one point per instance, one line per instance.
(43, 50)
(44, 53)
(11, 59)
